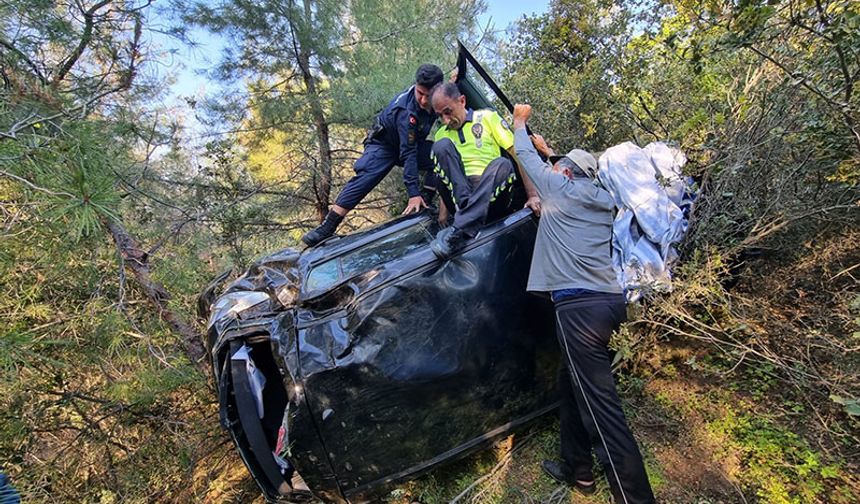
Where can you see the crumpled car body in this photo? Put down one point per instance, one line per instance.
(366, 360)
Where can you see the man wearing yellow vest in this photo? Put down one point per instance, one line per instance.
(471, 168)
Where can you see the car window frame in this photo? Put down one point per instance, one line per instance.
(307, 295)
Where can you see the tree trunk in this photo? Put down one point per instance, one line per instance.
(138, 262)
(322, 184)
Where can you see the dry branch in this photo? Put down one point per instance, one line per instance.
(138, 262)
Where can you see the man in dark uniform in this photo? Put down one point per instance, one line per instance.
(398, 137)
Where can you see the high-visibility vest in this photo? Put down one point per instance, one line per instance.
(480, 139)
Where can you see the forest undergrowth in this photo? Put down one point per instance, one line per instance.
(116, 209)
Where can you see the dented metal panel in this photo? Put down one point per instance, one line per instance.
(431, 361)
(403, 364)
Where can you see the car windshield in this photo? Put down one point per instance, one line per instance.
(393, 246)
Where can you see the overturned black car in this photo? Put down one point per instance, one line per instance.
(366, 360)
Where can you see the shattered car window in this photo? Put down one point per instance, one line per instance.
(358, 261)
(324, 275)
(396, 245)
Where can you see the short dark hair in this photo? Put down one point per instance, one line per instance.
(448, 89)
(428, 75)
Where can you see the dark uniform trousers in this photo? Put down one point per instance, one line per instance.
(374, 164)
(471, 196)
(591, 412)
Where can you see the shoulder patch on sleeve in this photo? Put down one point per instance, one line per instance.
(505, 123)
(410, 130)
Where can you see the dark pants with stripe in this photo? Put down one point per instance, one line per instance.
(374, 164)
(470, 198)
(591, 413)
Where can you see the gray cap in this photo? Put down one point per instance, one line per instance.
(584, 160)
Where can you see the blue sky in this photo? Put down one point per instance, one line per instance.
(504, 12)
(187, 63)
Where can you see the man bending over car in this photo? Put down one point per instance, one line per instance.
(571, 261)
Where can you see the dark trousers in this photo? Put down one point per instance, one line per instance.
(469, 199)
(591, 411)
(374, 164)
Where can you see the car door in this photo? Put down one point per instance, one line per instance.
(441, 358)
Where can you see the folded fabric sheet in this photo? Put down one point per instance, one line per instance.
(653, 198)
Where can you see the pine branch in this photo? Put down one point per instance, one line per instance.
(35, 187)
(8, 45)
(86, 38)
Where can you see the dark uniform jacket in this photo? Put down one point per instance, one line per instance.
(402, 126)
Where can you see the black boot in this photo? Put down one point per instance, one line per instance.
(447, 242)
(324, 230)
(560, 472)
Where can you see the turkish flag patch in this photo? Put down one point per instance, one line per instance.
(412, 120)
